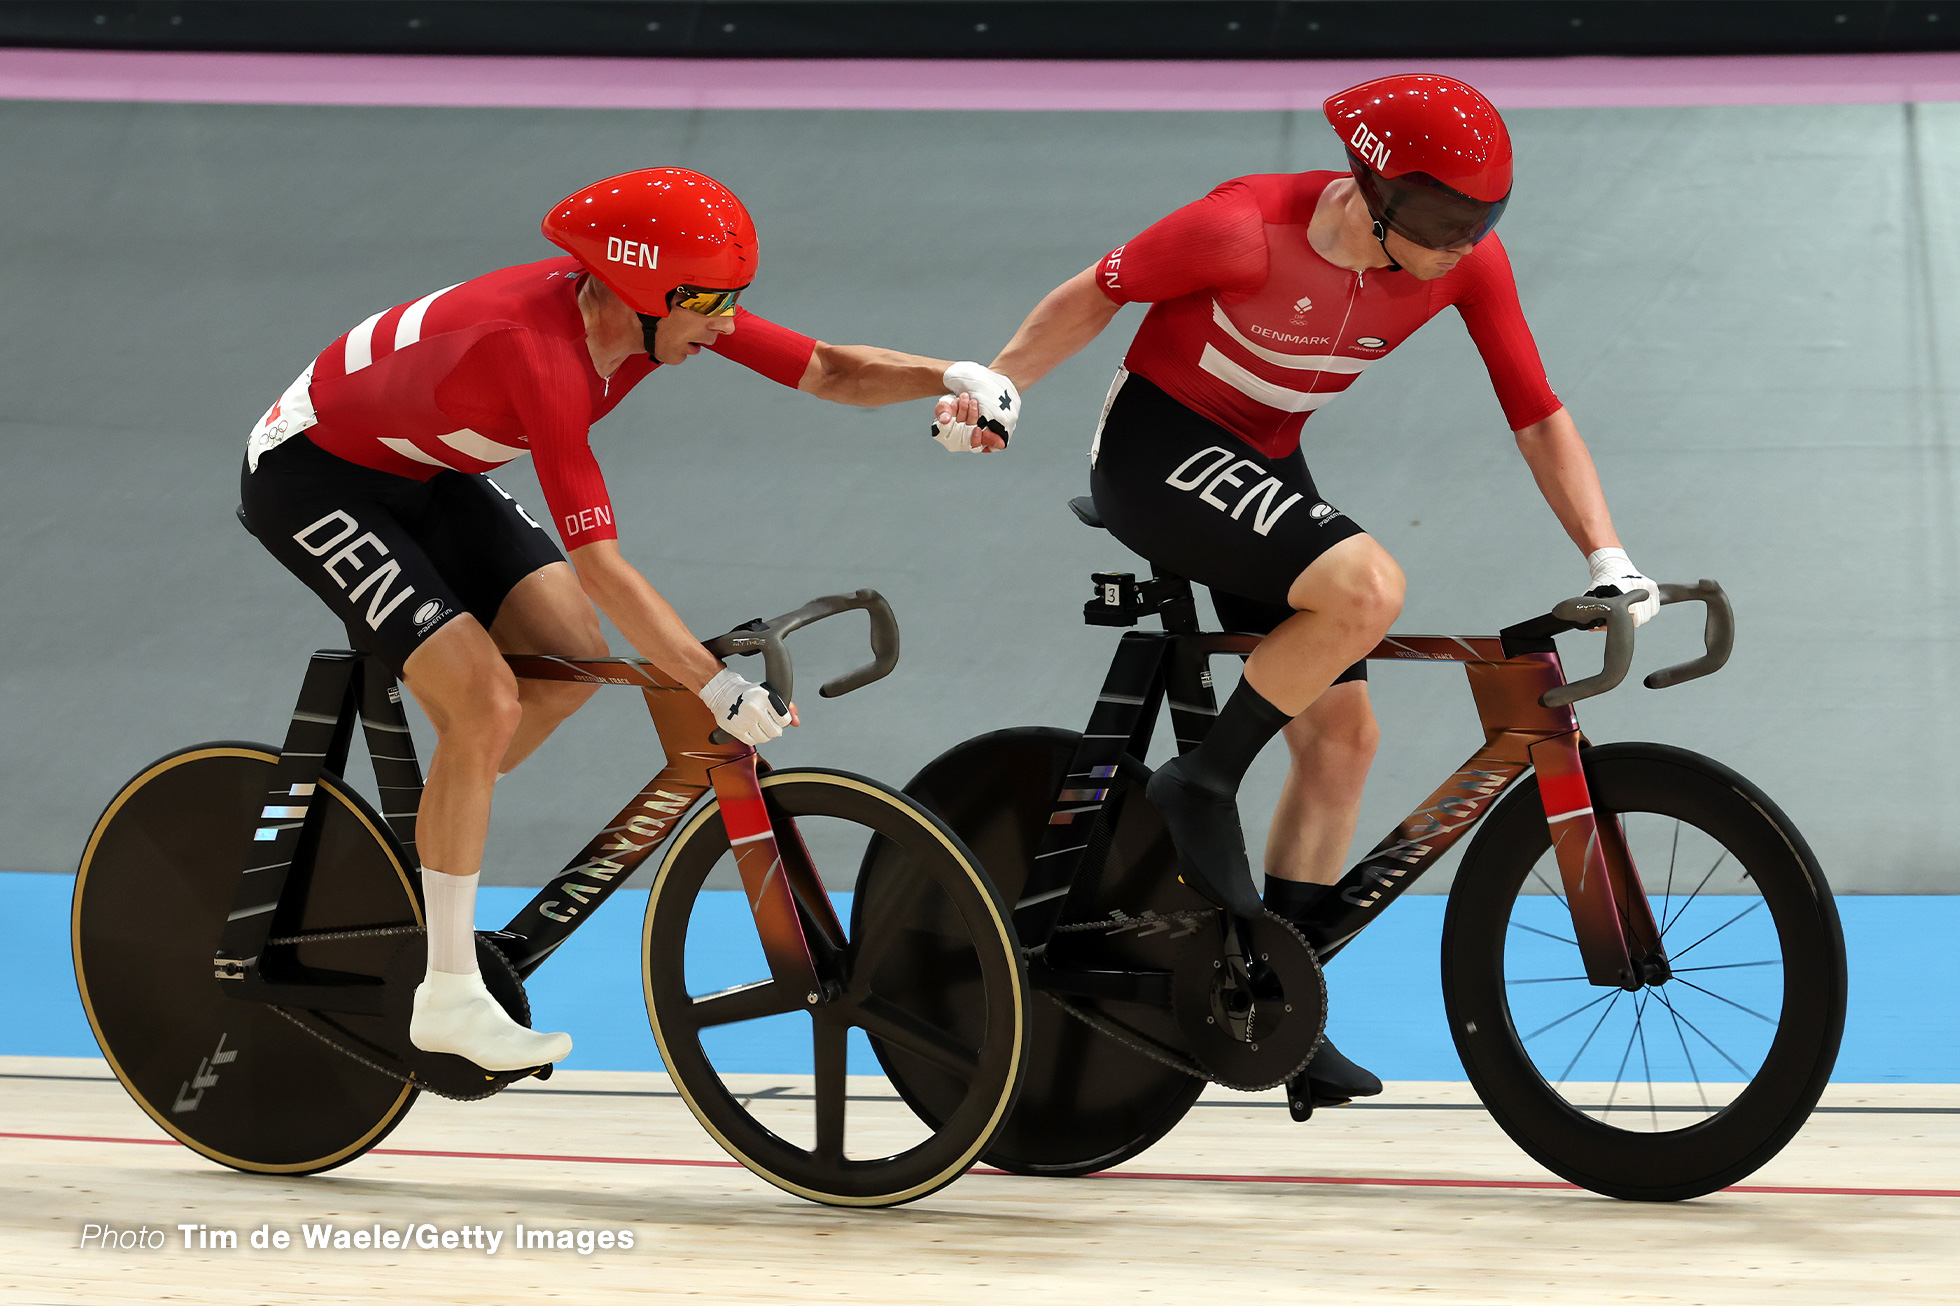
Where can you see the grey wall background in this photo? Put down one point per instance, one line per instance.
(1750, 311)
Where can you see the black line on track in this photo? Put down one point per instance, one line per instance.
(778, 1095)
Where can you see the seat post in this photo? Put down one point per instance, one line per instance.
(1170, 597)
(1121, 601)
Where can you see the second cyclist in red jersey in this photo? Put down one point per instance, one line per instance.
(368, 481)
(502, 370)
(1269, 297)
(1253, 329)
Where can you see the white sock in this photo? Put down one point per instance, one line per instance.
(451, 903)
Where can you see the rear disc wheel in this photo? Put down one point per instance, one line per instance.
(235, 1081)
(1089, 1101)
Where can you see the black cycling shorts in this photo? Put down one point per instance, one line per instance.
(1200, 503)
(395, 558)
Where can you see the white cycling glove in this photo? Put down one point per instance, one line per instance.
(1000, 407)
(743, 708)
(1614, 573)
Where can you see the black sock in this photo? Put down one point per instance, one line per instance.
(1293, 899)
(1246, 724)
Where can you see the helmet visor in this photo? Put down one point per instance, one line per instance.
(1421, 209)
(709, 303)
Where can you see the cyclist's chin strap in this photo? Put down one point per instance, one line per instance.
(1381, 238)
(649, 325)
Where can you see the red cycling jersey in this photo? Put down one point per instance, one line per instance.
(470, 377)
(1251, 328)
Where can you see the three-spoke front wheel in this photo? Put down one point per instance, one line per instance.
(710, 994)
(1691, 1082)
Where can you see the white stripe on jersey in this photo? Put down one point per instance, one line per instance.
(409, 451)
(409, 329)
(480, 447)
(1258, 388)
(1298, 362)
(360, 344)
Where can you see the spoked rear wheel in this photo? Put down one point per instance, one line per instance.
(710, 994)
(1686, 1085)
(235, 1081)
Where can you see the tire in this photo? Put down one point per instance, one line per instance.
(1089, 1102)
(1690, 1084)
(977, 999)
(234, 1081)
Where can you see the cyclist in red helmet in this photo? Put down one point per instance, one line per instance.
(1268, 297)
(368, 480)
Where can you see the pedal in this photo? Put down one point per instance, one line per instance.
(1301, 1102)
(443, 1072)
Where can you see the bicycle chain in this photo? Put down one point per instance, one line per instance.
(325, 935)
(1139, 1043)
(375, 1066)
(1129, 1038)
(1134, 1041)
(1191, 918)
(342, 1048)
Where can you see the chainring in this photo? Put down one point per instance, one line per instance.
(1250, 1000)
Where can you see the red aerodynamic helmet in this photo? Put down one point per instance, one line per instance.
(648, 233)
(1431, 155)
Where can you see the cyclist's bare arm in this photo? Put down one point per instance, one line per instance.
(1563, 468)
(649, 623)
(866, 376)
(1061, 325)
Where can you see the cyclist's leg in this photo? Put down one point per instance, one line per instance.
(1332, 745)
(1199, 502)
(459, 677)
(511, 574)
(345, 531)
(547, 612)
(1344, 602)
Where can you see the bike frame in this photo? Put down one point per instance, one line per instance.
(793, 915)
(1509, 677)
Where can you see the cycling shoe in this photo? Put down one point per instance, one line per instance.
(1330, 1079)
(1210, 844)
(456, 1014)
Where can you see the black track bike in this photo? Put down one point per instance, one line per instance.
(1642, 963)
(248, 936)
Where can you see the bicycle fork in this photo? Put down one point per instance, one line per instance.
(1612, 922)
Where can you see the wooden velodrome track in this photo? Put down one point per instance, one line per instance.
(1417, 1198)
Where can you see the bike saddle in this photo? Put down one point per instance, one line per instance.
(1085, 512)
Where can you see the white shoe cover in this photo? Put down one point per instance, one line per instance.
(455, 1013)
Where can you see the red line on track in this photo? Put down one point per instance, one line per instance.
(1332, 1181)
